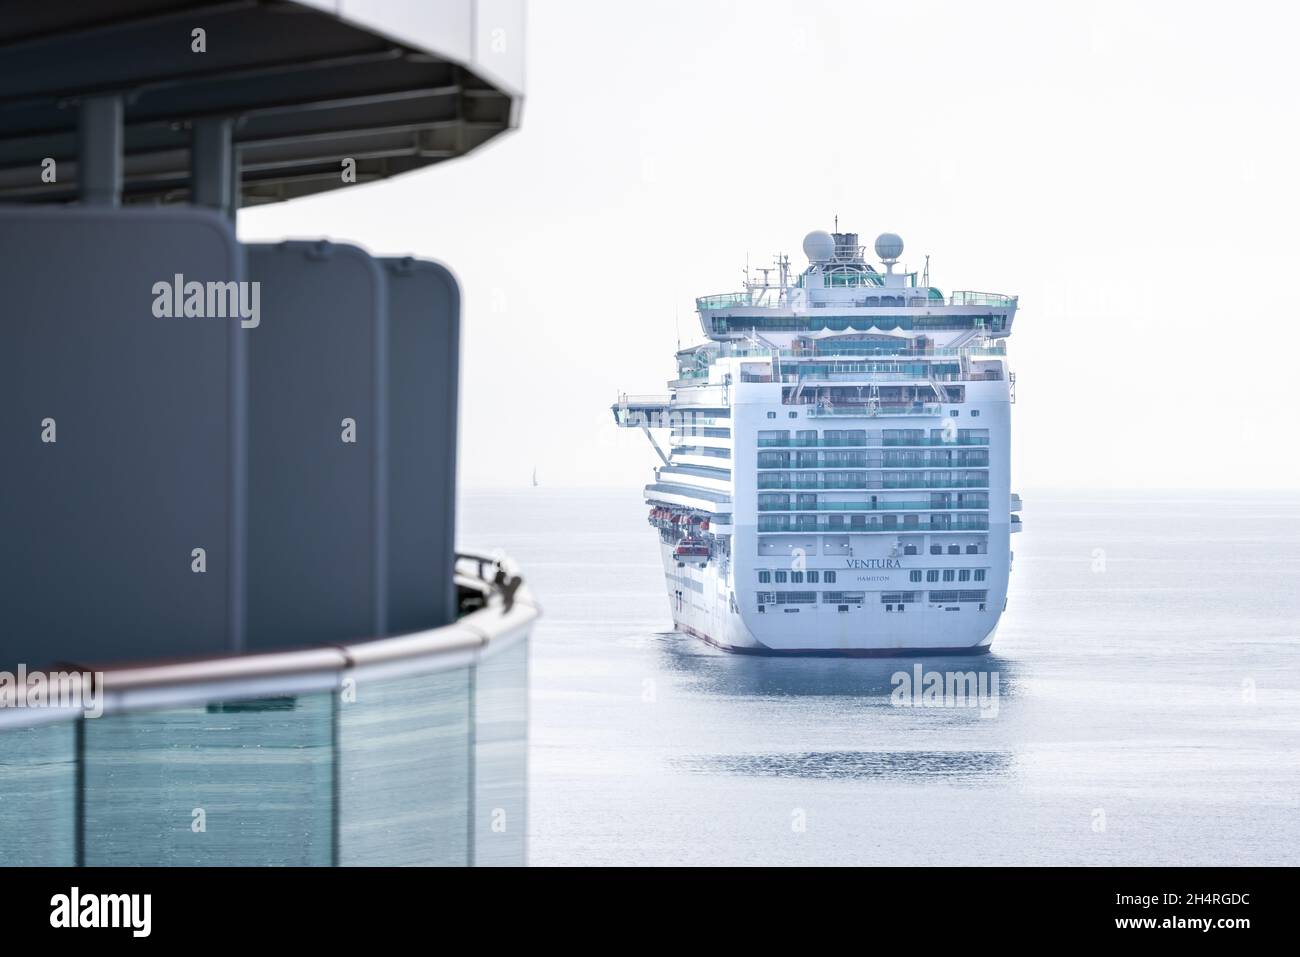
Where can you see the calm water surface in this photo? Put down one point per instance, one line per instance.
(1149, 708)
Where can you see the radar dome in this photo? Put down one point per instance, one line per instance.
(819, 246)
(889, 246)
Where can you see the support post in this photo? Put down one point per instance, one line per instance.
(99, 150)
(236, 197)
(212, 158)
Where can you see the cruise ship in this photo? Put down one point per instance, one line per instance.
(837, 478)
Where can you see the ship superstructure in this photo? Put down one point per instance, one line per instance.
(837, 475)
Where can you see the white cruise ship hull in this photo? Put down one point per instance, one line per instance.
(699, 600)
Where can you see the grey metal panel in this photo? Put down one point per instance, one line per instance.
(97, 528)
(316, 514)
(424, 359)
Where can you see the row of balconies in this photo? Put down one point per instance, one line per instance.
(981, 503)
(782, 480)
(859, 523)
(917, 461)
(921, 442)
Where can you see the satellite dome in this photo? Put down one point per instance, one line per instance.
(819, 246)
(889, 246)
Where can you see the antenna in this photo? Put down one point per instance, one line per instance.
(925, 280)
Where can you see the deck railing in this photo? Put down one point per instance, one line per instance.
(402, 750)
(886, 298)
(875, 444)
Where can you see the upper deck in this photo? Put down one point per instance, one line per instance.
(840, 291)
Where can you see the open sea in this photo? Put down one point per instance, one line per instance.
(1148, 669)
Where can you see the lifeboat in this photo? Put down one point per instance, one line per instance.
(692, 550)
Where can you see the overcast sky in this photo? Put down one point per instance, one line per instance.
(1129, 170)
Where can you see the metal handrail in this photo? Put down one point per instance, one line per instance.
(963, 297)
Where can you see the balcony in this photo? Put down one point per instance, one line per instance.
(399, 751)
(875, 462)
(927, 442)
(764, 484)
(877, 411)
(782, 525)
(869, 507)
(875, 444)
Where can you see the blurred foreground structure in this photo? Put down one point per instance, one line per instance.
(228, 495)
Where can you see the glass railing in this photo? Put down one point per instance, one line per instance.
(825, 349)
(776, 524)
(873, 444)
(398, 751)
(955, 440)
(723, 301)
(867, 411)
(871, 463)
(865, 486)
(967, 297)
(771, 297)
(870, 507)
(848, 373)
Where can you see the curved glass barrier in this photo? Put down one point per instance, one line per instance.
(401, 751)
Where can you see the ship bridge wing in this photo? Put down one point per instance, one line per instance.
(641, 411)
(688, 496)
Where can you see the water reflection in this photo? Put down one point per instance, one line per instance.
(712, 672)
(951, 765)
(850, 719)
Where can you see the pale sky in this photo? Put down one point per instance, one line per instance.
(1130, 170)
